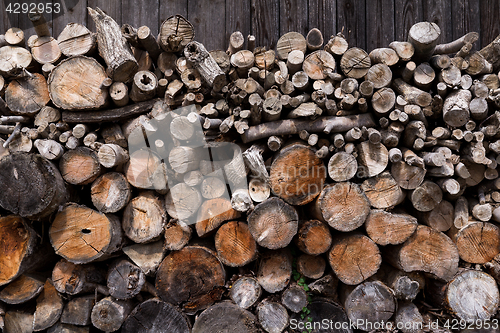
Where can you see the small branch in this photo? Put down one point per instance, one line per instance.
(15, 132)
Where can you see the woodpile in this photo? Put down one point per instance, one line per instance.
(152, 185)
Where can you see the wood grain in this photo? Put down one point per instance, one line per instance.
(265, 22)
(379, 23)
(438, 11)
(77, 14)
(490, 25)
(293, 16)
(208, 18)
(351, 17)
(323, 15)
(407, 13)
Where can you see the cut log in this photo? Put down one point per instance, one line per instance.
(275, 270)
(342, 167)
(177, 235)
(426, 196)
(49, 307)
(144, 86)
(408, 317)
(456, 108)
(273, 316)
(45, 50)
(111, 192)
(144, 170)
(258, 190)
(109, 314)
(478, 242)
(405, 50)
(75, 40)
(407, 176)
(14, 36)
(50, 149)
(81, 235)
(273, 223)
(144, 218)
(192, 278)
(424, 76)
(146, 256)
(369, 304)
(245, 292)
(384, 55)
(313, 237)
(380, 75)
(322, 309)
(46, 192)
(289, 42)
(175, 33)
(354, 258)
(235, 245)
(386, 228)
(314, 39)
(27, 95)
(297, 175)
(383, 191)
(22, 289)
(372, 159)
(75, 84)
(441, 217)
(111, 155)
(18, 322)
(72, 279)
(317, 63)
(426, 250)
(424, 36)
(294, 298)
(312, 267)
(113, 48)
(80, 166)
(225, 317)
(412, 94)
(15, 60)
(212, 214)
(78, 310)
(355, 63)
(206, 65)
(125, 280)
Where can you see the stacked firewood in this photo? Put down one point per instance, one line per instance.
(331, 186)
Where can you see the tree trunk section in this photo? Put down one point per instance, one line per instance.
(80, 166)
(26, 96)
(76, 40)
(125, 280)
(111, 192)
(235, 245)
(245, 292)
(225, 317)
(386, 228)
(144, 218)
(313, 237)
(109, 314)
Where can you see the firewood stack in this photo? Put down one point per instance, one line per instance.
(352, 186)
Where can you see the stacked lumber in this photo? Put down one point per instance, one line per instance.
(151, 185)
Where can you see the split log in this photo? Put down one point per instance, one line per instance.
(275, 270)
(235, 245)
(313, 237)
(144, 218)
(111, 192)
(386, 228)
(424, 36)
(147, 257)
(46, 192)
(245, 292)
(81, 235)
(354, 258)
(192, 278)
(206, 65)
(383, 191)
(49, 307)
(26, 96)
(478, 242)
(125, 280)
(212, 214)
(225, 316)
(76, 40)
(426, 250)
(80, 166)
(72, 279)
(175, 33)
(355, 63)
(113, 48)
(22, 289)
(109, 314)
(75, 84)
(273, 223)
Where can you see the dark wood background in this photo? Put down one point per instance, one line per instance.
(366, 23)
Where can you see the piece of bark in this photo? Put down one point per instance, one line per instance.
(478, 242)
(27, 95)
(81, 235)
(75, 40)
(49, 307)
(212, 214)
(369, 303)
(235, 245)
(15, 60)
(456, 108)
(75, 83)
(46, 192)
(313, 237)
(111, 155)
(424, 36)
(384, 55)
(78, 310)
(144, 218)
(273, 223)
(438, 250)
(245, 292)
(355, 63)
(45, 50)
(109, 314)
(72, 279)
(405, 50)
(175, 33)
(177, 235)
(354, 258)
(113, 48)
(386, 228)
(372, 159)
(156, 316)
(383, 191)
(80, 166)
(125, 280)
(192, 278)
(205, 64)
(426, 196)
(441, 217)
(144, 86)
(275, 270)
(22, 289)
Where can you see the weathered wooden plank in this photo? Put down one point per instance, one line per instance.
(237, 18)
(208, 18)
(379, 23)
(351, 18)
(323, 15)
(465, 18)
(173, 7)
(5, 22)
(77, 14)
(408, 12)
(293, 16)
(265, 22)
(112, 8)
(490, 25)
(438, 11)
(139, 13)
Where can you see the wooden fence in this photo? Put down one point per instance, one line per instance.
(366, 23)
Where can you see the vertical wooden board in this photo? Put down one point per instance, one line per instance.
(112, 8)
(438, 11)
(139, 13)
(6, 20)
(407, 13)
(323, 15)
(379, 23)
(77, 14)
(237, 19)
(293, 16)
(209, 19)
(173, 7)
(490, 24)
(465, 18)
(265, 22)
(351, 18)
